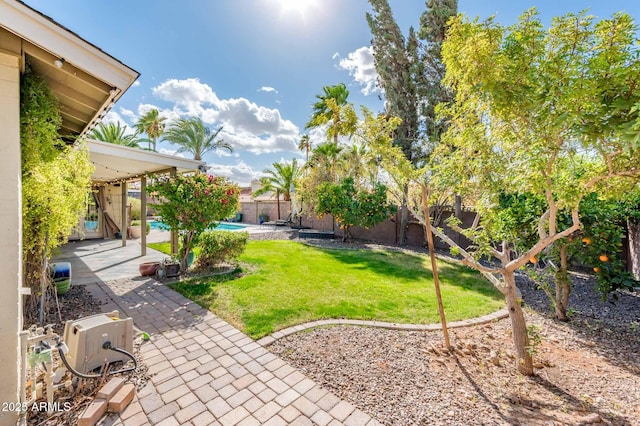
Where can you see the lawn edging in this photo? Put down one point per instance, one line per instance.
(272, 338)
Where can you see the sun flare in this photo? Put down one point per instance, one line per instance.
(296, 6)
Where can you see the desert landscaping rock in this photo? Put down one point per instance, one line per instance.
(588, 370)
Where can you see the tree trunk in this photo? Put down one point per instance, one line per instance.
(634, 247)
(457, 207)
(278, 202)
(563, 288)
(404, 216)
(434, 266)
(524, 361)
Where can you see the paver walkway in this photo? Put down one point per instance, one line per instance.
(206, 372)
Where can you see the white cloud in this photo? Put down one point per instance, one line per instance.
(267, 89)
(129, 114)
(251, 127)
(173, 152)
(135, 83)
(361, 67)
(240, 172)
(335, 56)
(114, 117)
(189, 94)
(247, 126)
(169, 114)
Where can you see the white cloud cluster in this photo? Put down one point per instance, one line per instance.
(114, 117)
(267, 89)
(361, 67)
(240, 172)
(247, 126)
(190, 95)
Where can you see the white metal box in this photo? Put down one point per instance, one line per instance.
(85, 336)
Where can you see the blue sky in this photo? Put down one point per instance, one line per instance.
(255, 66)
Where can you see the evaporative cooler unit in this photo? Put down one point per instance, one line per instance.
(86, 337)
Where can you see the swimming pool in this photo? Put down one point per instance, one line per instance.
(222, 226)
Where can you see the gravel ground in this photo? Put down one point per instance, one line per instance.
(78, 303)
(587, 370)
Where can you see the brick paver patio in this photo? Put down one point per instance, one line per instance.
(206, 372)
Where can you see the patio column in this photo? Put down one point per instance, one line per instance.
(143, 215)
(174, 233)
(10, 233)
(123, 227)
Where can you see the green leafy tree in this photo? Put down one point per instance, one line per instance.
(352, 207)
(410, 72)
(56, 179)
(194, 137)
(152, 124)
(396, 61)
(528, 103)
(114, 133)
(279, 180)
(190, 204)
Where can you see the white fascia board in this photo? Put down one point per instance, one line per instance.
(105, 148)
(50, 36)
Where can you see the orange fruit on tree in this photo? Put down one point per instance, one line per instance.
(533, 260)
(603, 258)
(586, 240)
(596, 269)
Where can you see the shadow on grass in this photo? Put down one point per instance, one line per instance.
(411, 267)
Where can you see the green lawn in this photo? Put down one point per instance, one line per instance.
(284, 283)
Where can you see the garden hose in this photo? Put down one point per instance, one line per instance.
(106, 345)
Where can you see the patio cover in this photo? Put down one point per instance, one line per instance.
(121, 164)
(117, 163)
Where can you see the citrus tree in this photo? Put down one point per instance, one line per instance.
(192, 203)
(528, 102)
(353, 207)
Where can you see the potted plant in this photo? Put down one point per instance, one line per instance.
(136, 228)
(148, 269)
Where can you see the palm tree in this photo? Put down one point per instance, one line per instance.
(324, 158)
(323, 112)
(114, 133)
(360, 164)
(192, 136)
(280, 180)
(305, 144)
(152, 124)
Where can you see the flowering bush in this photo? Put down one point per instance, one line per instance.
(190, 204)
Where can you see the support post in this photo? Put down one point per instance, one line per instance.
(143, 216)
(124, 228)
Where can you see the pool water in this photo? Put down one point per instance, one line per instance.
(222, 226)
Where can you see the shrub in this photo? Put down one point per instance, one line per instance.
(218, 247)
(136, 208)
(139, 223)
